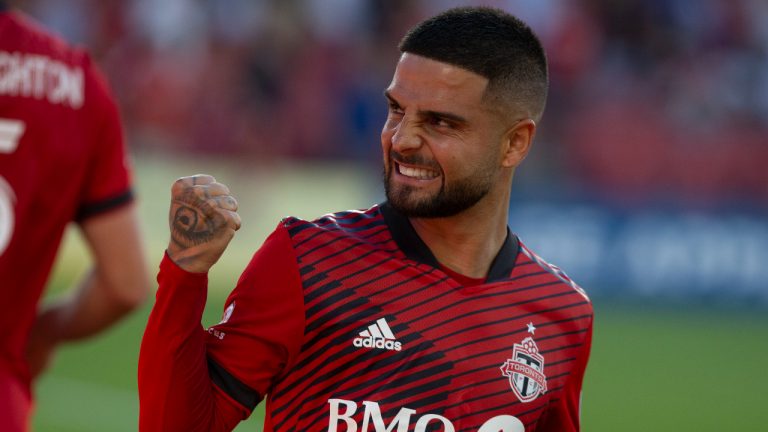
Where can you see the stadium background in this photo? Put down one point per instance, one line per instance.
(648, 181)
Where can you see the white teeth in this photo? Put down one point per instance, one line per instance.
(417, 173)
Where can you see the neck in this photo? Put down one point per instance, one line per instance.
(3, 6)
(468, 242)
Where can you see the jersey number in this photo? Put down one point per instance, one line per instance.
(10, 134)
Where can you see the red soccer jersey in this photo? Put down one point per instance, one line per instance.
(62, 158)
(348, 323)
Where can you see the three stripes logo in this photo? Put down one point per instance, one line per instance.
(378, 335)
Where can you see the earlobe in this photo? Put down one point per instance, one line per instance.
(519, 141)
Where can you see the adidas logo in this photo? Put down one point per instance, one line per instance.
(378, 335)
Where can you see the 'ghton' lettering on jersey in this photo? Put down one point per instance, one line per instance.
(342, 411)
(40, 77)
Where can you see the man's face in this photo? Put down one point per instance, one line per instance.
(441, 142)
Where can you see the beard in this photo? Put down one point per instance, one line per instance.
(452, 198)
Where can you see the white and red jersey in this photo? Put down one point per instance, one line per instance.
(62, 159)
(349, 323)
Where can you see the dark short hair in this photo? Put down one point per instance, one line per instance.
(492, 44)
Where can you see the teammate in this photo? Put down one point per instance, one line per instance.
(62, 159)
(423, 313)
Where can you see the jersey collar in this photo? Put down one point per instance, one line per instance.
(415, 249)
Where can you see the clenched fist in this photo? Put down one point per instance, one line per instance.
(203, 219)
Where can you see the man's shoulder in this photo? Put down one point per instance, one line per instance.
(337, 232)
(27, 35)
(552, 269)
(347, 221)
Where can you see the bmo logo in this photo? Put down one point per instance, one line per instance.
(341, 412)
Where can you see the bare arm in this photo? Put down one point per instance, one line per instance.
(116, 284)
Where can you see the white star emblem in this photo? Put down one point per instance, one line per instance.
(531, 327)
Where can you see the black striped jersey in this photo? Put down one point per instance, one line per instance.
(349, 323)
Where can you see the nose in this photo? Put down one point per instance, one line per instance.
(406, 136)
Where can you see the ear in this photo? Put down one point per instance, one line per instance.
(519, 139)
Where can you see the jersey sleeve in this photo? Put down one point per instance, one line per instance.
(564, 414)
(108, 183)
(263, 324)
(196, 380)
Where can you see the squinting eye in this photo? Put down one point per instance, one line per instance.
(439, 122)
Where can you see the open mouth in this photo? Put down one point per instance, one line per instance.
(417, 173)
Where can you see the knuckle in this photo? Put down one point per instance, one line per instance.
(220, 188)
(204, 179)
(177, 189)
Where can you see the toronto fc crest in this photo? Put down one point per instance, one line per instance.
(525, 371)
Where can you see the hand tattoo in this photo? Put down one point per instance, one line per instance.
(194, 221)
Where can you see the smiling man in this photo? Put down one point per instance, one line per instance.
(423, 313)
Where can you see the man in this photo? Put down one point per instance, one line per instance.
(422, 313)
(62, 159)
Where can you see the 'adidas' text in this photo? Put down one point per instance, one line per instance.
(371, 342)
(378, 335)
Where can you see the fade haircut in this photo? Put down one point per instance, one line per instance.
(492, 44)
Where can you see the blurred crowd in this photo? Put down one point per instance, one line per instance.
(650, 99)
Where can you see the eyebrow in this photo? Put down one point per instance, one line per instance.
(430, 113)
